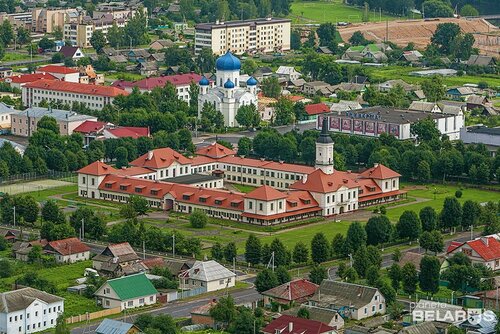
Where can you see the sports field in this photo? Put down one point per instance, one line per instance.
(305, 12)
(34, 186)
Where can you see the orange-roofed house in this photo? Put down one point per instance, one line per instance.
(62, 73)
(68, 250)
(484, 250)
(93, 97)
(90, 176)
(315, 109)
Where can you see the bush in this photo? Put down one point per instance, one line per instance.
(198, 219)
(383, 210)
(458, 193)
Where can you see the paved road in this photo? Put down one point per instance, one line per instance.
(179, 309)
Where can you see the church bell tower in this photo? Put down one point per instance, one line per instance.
(324, 150)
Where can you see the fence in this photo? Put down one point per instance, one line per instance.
(93, 315)
(191, 293)
(34, 176)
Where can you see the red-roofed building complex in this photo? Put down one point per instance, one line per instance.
(62, 73)
(283, 192)
(18, 81)
(92, 130)
(68, 250)
(484, 250)
(92, 96)
(287, 324)
(180, 81)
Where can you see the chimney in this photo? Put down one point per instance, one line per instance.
(290, 326)
(485, 240)
(375, 165)
(150, 155)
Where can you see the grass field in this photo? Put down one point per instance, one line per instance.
(435, 195)
(329, 11)
(16, 56)
(401, 72)
(39, 189)
(243, 188)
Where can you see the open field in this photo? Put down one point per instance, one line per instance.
(305, 12)
(17, 56)
(39, 188)
(401, 72)
(419, 32)
(435, 195)
(62, 277)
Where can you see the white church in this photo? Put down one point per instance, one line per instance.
(227, 95)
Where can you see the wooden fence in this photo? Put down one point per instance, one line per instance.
(93, 315)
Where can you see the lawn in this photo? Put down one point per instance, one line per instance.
(16, 56)
(43, 195)
(435, 195)
(402, 72)
(243, 188)
(123, 76)
(329, 11)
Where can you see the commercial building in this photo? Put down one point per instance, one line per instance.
(374, 121)
(29, 310)
(310, 191)
(182, 82)
(24, 123)
(247, 36)
(92, 96)
(5, 118)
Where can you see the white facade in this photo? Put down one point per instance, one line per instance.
(109, 299)
(207, 275)
(72, 258)
(37, 316)
(254, 36)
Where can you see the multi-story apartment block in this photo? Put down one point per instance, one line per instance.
(92, 96)
(17, 19)
(24, 123)
(118, 12)
(80, 33)
(29, 310)
(248, 36)
(45, 20)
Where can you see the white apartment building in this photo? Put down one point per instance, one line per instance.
(94, 97)
(29, 310)
(80, 33)
(251, 36)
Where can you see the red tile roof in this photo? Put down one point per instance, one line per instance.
(320, 182)
(133, 171)
(27, 78)
(153, 262)
(160, 158)
(129, 131)
(90, 126)
(266, 193)
(380, 195)
(297, 290)
(215, 151)
(150, 83)
(453, 245)
(488, 248)
(295, 98)
(67, 246)
(281, 215)
(380, 172)
(97, 168)
(299, 326)
(202, 160)
(57, 69)
(316, 109)
(280, 166)
(77, 88)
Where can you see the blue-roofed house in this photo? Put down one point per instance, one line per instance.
(110, 326)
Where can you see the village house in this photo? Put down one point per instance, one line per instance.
(127, 292)
(313, 110)
(111, 326)
(290, 293)
(287, 324)
(288, 72)
(484, 250)
(424, 106)
(21, 249)
(29, 310)
(161, 44)
(201, 315)
(459, 93)
(72, 52)
(68, 250)
(352, 301)
(116, 260)
(5, 118)
(208, 276)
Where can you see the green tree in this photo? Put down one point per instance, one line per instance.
(372, 275)
(6, 33)
(57, 32)
(318, 274)
(320, 248)
(5, 268)
(387, 291)
(428, 218)
(378, 230)
(249, 66)
(423, 171)
(48, 123)
(211, 119)
(230, 252)
(52, 213)
(451, 214)
(300, 253)
(98, 40)
(409, 278)
(121, 157)
(358, 38)
(224, 311)
(433, 88)
(46, 44)
(139, 204)
(470, 213)
(409, 226)
(437, 8)
(245, 322)
(35, 254)
(265, 280)
(425, 130)
(271, 87)
(303, 313)
(468, 10)
(280, 253)
(396, 275)
(356, 237)
(429, 274)
(338, 245)
(198, 219)
(244, 146)
(61, 327)
(295, 40)
(23, 36)
(283, 111)
(206, 60)
(248, 116)
(327, 34)
(445, 35)
(282, 275)
(217, 251)
(115, 36)
(360, 261)
(253, 249)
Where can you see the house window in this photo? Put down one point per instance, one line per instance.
(221, 282)
(185, 197)
(151, 298)
(83, 180)
(366, 310)
(107, 302)
(202, 200)
(373, 308)
(130, 303)
(272, 206)
(141, 301)
(250, 205)
(260, 207)
(138, 190)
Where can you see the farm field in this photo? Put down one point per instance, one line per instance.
(435, 195)
(401, 72)
(304, 12)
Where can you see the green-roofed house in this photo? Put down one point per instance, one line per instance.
(127, 292)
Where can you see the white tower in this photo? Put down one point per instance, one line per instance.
(324, 150)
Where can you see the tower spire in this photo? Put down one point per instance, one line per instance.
(324, 149)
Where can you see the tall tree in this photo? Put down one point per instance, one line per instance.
(409, 226)
(320, 248)
(253, 249)
(429, 274)
(248, 116)
(409, 278)
(265, 280)
(317, 274)
(271, 87)
(356, 237)
(378, 230)
(428, 218)
(98, 40)
(300, 253)
(470, 214)
(451, 214)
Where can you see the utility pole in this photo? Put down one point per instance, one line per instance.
(173, 245)
(144, 249)
(471, 232)
(350, 258)
(14, 209)
(83, 229)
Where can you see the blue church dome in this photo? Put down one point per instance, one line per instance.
(204, 81)
(228, 62)
(251, 81)
(229, 84)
